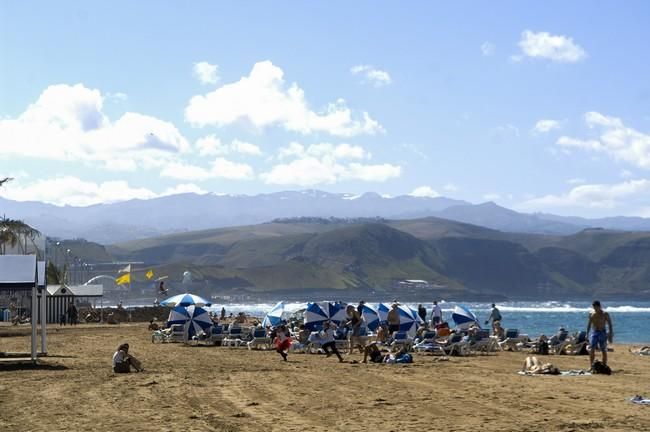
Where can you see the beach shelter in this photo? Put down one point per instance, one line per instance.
(274, 317)
(315, 316)
(336, 312)
(407, 320)
(186, 299)
(382, 311)
(199, 321)
(20, 273)
(178, 315)
(463, 317)
(371, 317)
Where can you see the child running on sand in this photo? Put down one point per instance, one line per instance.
(327, 340)
(282, 341)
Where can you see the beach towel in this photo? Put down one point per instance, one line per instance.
(564, 373)
(640, 400)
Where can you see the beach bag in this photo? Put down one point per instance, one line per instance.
(404, 358)
(600, 368)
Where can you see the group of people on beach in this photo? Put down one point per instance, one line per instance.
(599, 330)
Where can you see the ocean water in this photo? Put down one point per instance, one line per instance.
(631, 320)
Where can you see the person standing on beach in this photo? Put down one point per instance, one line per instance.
(495, 315)
(422, 312)
(436, 314)
(354, 321)
(327, 340)
(598, 335)
(223, 313)
(393, 319)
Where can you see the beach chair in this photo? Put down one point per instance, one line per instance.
(177, 333)
(314, 344)
(513, 340)
(575, 345)
(259, 339)
(483, 343)
(401, 340)
(233, 338)
(455, 345)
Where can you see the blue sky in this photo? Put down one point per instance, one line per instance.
(536, 107)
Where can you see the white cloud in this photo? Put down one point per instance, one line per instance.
(212, 146)
(491, 196)
(545, 126)
(615, 140)
(424, 192)
(326, 164)
(552, 47)
(221, 168)
(184, 188)
(117, 96)
(206, 73)
(243, 147)
(595, 196)
(68, 123)
(451, 187)
(263, 99)
(626, 173)
(372, 75)
(70, 190)
(576, 181)
(488, 48)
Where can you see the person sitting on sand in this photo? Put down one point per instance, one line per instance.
(328, 344)
(122, 360)
(375, 354)
(382, 334)
(282, 341)
(153, 325)
(534, 366)
(498, 331)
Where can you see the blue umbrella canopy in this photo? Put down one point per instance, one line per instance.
(407, 320)
(186, 299)
(371, 317)
(274, 317)
(178, 315)
(199, 320)
(463, 317)
(336, 312)
(315, 316)
(382, 311)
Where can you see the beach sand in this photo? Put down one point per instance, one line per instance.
(233, 389)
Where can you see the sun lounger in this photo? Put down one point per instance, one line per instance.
(483, 343)
(260, 339)
(513, 341)
(177, 333)
(234, 337)
(401, 340)
(574, 345)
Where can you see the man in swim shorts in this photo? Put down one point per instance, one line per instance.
(598, 336)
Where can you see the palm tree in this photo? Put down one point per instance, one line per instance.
(13, 231)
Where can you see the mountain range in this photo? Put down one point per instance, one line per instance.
(135, 219)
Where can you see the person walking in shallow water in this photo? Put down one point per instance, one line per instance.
(495, 315)
(598, 335)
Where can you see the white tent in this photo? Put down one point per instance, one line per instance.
(20, 273)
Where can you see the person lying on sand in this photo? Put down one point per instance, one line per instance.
(534, 366)
(122, 360)
(641, 351)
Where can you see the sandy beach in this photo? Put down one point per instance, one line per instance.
(233, 389)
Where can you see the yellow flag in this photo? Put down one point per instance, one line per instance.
(124, 279)
(149, 274)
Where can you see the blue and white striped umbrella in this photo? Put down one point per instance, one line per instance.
(186, 299)
(274, 317)
(199, 321)
(371, 317)
(178, 315)
(463, 317)
(315, 316)
(336, 312)
(407, 320)
(382, 311)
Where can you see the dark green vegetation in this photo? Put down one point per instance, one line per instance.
(313, 254)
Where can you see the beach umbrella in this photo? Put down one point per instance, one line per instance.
(315, 315)
(177, 315)
(336, 312)
(371, 317)
(463, 317)
(198, 321)
(407, 320)
(186, 299)
(274, 317)
(382, 311)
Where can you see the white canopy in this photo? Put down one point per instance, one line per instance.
(18, 272)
